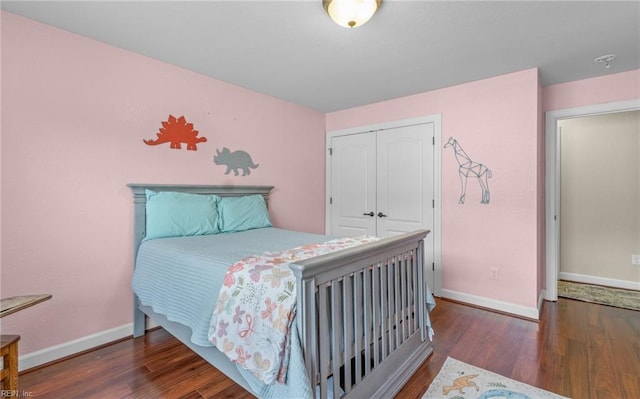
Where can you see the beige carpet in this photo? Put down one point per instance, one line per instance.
(617, 297)
(458, 380)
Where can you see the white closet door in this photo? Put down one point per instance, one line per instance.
(406, 186)
(387, 171)
(353, 185)
(405, 179)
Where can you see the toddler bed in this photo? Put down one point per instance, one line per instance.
(361, 325)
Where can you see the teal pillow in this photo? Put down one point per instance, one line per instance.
(173, 214)
(243, 213)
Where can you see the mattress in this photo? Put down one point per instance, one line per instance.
(180, 277)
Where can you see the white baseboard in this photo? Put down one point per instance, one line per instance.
(609, 282)
(524, 311)
(543, 294)
(56, 352)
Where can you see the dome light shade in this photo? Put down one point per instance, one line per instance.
(351, 13)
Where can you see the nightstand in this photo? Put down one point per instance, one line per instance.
(9, 353)
(9, 343)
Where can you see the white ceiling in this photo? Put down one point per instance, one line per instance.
(293, 51)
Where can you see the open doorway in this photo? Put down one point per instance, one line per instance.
(554, 180)
(600, 199)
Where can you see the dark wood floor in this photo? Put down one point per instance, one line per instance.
(578, 350)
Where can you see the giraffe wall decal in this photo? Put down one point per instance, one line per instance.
(468, 168)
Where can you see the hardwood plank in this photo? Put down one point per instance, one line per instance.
(578, 381)
(191, 395)
(527, 366)
(218, 384)
(579, 350)
(629, 385)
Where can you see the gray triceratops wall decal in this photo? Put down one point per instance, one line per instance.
(234, 160)
(468, 168)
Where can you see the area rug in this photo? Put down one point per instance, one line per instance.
(458, 380)
(617, 297)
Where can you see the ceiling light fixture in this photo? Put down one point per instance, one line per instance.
(606, 59)
(351, 13)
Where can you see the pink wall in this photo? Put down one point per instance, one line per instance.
(604, 89)
(75, 112)
(496, 122)
(542, 237)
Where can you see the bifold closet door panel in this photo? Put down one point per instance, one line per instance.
(353, 185)
(404, 179)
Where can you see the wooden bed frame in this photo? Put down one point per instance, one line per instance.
(361, 312)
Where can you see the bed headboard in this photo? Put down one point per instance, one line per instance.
(140, 201)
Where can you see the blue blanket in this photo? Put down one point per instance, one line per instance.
(180, 277)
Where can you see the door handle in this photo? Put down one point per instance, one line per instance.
(381, 215)
(369, 214)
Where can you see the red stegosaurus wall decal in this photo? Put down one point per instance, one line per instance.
(177, 131)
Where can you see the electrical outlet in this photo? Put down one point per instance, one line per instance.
(493, 273)
(635, 260)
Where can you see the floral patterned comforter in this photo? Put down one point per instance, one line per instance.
(252, 320)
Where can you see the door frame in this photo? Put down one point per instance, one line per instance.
(552, 176)
(436, 119)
